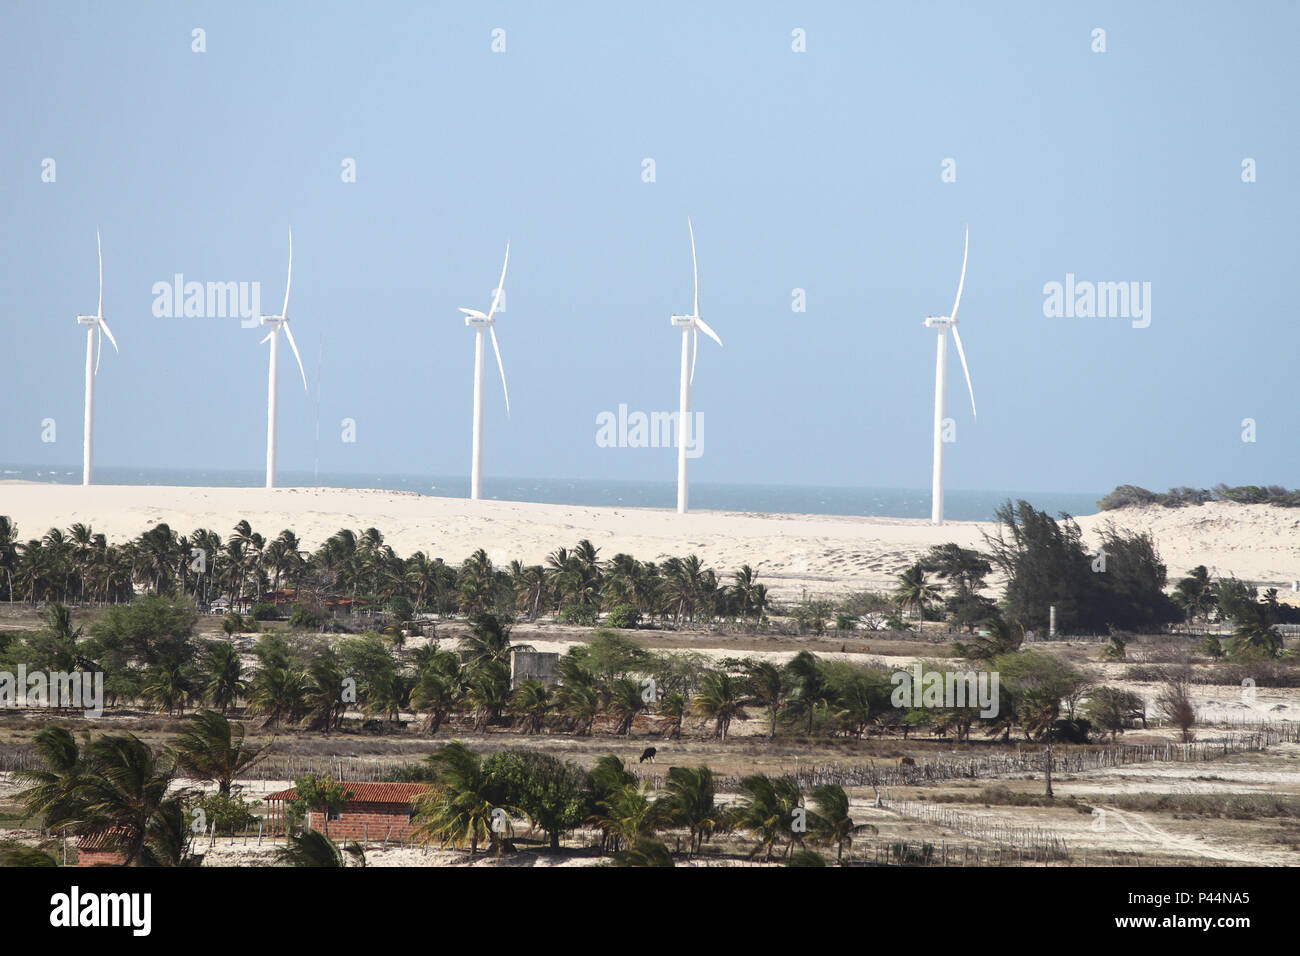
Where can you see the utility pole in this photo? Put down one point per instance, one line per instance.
(1050, 795)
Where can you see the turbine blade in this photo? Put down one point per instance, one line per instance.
(496, 296)
(497, 349)
(703, 326)
(474, 312)
(109, 332)
(284, 313)
(100, 245)
(695, 352)
(99, 347)
(288, 333)
(962, 281)
(956, 337)
(695, 266)
(268, 337)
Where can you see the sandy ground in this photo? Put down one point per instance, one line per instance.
(820, 553)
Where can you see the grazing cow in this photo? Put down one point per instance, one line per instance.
(906, 762)
(648, 754)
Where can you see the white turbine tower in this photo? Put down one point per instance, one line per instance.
(94, 324)
(943, 324)
(276, 324)
(688, 323)
(478, 322)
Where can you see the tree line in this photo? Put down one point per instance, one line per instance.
(80, 566)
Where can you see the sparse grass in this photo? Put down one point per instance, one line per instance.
(1000, 795)
(1231, 806)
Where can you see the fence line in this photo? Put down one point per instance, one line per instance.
(1035, 844)
(989, 766)
(374, 768)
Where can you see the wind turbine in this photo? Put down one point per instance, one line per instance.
(478, 322)
(93, 323)
(276, 324)
(943, 324)
(688, 323)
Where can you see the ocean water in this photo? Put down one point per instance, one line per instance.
(778, 499)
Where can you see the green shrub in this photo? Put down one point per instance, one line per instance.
(307, 618)
(623, 615)
(236, 623)
(229, 812)
(583, 615)
(264, 612)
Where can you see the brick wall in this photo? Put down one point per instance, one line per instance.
(99, 858)
(367, 821)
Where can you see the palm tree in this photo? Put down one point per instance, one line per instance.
(58, 642)
(488, 640)
(672, 707)
(534, 701)
(767, 809)
(215, 750)
(222, 678)
(52, 794)
(422, 577)
(388, 693)
(323, 702)
(461, 809)
(831, 823)
(690, 802)
(529, 584)
(439, 688)
(769, 688)
(914, 592)
(580, 702)
(488, 692)
(169, 837)
(1195, 594)
(721, 700)
(167, 686)
(854, 699)
(278, 693)
(620, 580)
(8, 552)
(284, 556)
(476, 584)
(623, 701)
(208, 543)
(751, 595)
(688, 587)
(625, 815)
(159, 555)
(644, 853)
(60, 552)
(124, 791)
(811, 690)
(310, 848)
(84, 542)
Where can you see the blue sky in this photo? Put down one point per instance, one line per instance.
(818, 170)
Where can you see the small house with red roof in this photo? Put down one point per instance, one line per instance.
(101, 849)
(374, 811)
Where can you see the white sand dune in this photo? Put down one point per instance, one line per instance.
(820, 553)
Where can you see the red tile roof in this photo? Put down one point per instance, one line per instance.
(367, 792)
(109, 839)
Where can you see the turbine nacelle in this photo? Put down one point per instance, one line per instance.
(273, 322)
(477, 320)
(87, 320)
(683, 321)
(939, 322)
